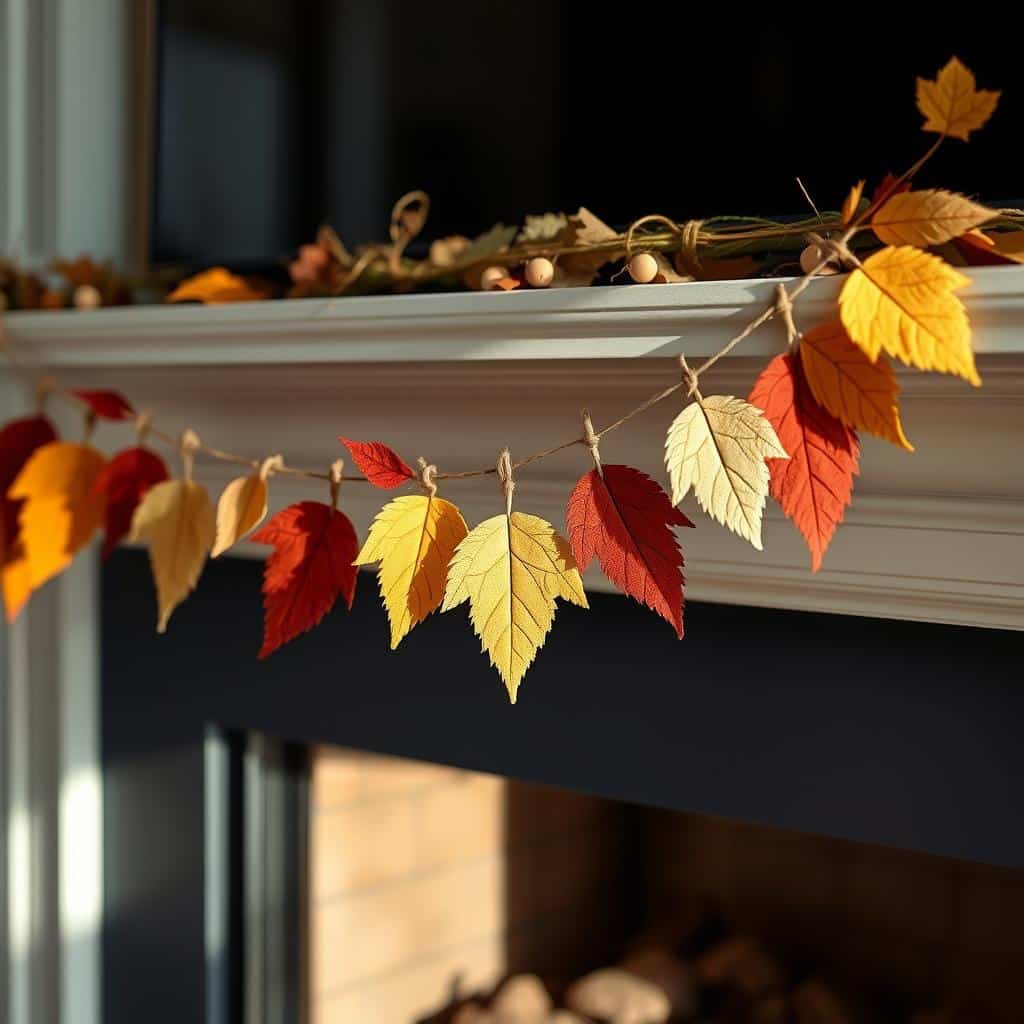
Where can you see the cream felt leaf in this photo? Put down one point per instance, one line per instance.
(858, 392)
(413, 538)
(241, 508)
(544, 227)
(176, 520)
(511, 568)
(952, 105)
(492, 241)
(718, 446)
(900, 300)
(928, 217)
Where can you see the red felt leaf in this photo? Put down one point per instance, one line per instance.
(888, 187)
(815, 484)
(314, 548)
(107, 405)
(382, 466)
(18, 440)
(124, 481)
(625, 519)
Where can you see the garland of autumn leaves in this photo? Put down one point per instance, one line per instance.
(795, 437)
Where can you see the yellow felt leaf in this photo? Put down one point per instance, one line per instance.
(511, 568)
(900, 300)
(951, 104)
(413, 538)
(59, 515)
(851, 202)
(717, 445)
(240, 509)
(858, 392)
(929, 217)
(216, 285)
(176, 519)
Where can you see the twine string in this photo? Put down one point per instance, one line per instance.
(508, 484)
(592, 441)
(428, 476)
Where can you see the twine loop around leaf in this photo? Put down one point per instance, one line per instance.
(592, 440)
(143, 425)
(835, 250)
(270, 465)
(508, 485)
(188, 445)
(45, 387)
(428, 476)
(334, 476)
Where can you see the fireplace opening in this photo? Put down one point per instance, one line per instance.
(436, 894)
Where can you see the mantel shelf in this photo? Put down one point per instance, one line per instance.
(935, 535)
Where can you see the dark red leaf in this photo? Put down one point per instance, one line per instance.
(382, 466)
(124, 481)
(624, 518)
(314, 547)
(107, 405)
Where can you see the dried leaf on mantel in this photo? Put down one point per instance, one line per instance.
(586, 227)
(624, 519)
(510, 569)
(1001, 248)
(310, 567)
(217, 285)
(176, 519)
(815, 484)
(718, 446)
(544, 227)
(413, 538)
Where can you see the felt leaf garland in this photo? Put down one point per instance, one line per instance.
(814, 485)
(511, 568)
(952, 105)
(18, 440)
(242, 506)
(858, 392)
(900, 300)
(176, 520)
(413, 538)
(123, 483)
(622, 517)
(107, 405)
(929, 217)
(382, 466)
(310, 566)
(718, 446)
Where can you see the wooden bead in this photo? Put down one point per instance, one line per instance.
(811, 257)
(491, 276)
(643, 268)
(540, 272)
(87, 296)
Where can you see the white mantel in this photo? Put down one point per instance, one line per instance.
(935, 535)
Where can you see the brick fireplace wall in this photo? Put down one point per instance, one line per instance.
(427, 882)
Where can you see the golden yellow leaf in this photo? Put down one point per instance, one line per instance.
(929, 217)
(413, 538)
(242, 506)
(900, 300)
(176, 519)
(215, 286)
(59, 515)
(858, 392)
(851, 202)
(511, 568)
(718, 446)
(951, 104)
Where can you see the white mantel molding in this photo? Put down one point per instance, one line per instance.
(935, 535)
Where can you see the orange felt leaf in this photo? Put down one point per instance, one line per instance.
(624, 518)
(61, 509)
(952, 105)
(107, 405)
(1003, 248)
(889, 186)
(815, 484)
(123, 483)
(381, 465)
(928, 217)
(901, 300)
(860, 393)
(314, 548)
(216, 285)
(18, 440)
(851, 202)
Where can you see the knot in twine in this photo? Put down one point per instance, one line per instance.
(784, 307)
(270, 465)
(689, 376)
(688, 233)
(428, 476)
(592, 439)
(833, 250)
(334, 478)
(508, 485)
